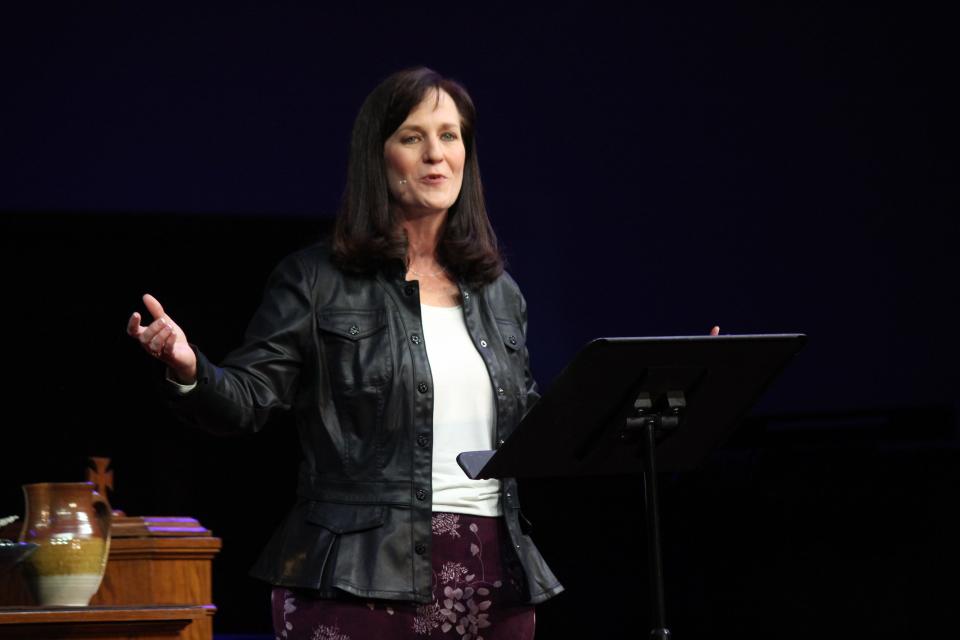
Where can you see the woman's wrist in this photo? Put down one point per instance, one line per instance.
(186, 376)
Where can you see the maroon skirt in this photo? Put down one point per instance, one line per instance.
(473, 596)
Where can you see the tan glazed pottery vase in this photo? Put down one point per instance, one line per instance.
(70, 523)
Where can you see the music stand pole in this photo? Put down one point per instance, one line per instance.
(649, 445)
(642, 427)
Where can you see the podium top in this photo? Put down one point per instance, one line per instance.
(575, 427)
(156, 527)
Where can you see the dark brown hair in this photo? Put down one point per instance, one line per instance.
(366, 235)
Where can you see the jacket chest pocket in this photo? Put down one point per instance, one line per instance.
(514, 342)
(356, 348)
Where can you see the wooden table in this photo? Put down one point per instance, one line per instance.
(100, 623)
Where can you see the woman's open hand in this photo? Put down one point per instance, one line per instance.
(164, 340)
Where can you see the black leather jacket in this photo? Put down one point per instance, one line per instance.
(346, 354)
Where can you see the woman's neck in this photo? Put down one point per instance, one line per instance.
(437, 288)
(423, 235)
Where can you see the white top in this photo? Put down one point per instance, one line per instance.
(463, 413)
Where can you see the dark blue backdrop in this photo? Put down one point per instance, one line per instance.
(765, 169)
(650, 171)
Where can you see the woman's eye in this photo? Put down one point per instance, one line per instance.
(448, 136)
(410, 139)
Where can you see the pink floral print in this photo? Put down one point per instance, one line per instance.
(465, 602)
(289, 606)
(446, 523)
(327, 632)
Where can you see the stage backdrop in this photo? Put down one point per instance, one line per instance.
(648, 171)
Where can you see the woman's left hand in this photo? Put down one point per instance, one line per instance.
(715, 331)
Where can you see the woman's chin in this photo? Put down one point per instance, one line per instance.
(424, 209)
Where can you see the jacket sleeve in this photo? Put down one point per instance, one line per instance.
(533, 394)
(262, 374)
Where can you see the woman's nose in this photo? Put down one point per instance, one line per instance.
(432, 151)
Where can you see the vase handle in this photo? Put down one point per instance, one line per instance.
(105, 514)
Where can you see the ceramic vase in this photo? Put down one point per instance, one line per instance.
(70, 523)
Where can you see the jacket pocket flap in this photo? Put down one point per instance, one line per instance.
(512, 336)
(353, 325)
(346, 518)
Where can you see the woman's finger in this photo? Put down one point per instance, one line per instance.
(169, 343)
(715, 331)
(155, 344)
(133, 325)
(147, 333)
(153, 306)
(173, 325)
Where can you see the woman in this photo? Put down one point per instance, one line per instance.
(398, 347)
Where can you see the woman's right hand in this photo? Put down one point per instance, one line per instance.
(165, 341)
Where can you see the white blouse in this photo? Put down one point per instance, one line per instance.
(463, 413)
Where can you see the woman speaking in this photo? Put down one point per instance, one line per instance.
(399, 344)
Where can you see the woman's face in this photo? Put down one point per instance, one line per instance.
(425, 157)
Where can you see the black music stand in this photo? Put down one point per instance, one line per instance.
(640, 405)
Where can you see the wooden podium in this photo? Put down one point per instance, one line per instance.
(157, 583)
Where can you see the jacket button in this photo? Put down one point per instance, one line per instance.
(500, 391)
(415, 338)
(420, 549)
(500, 444)
(422, 387)
(483, 343)
(423, 441)
(421, 494)
(354, 330)
(466, 295)
(408, 290)
(513, 340)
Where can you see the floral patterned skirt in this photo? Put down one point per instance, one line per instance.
(474, 597)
